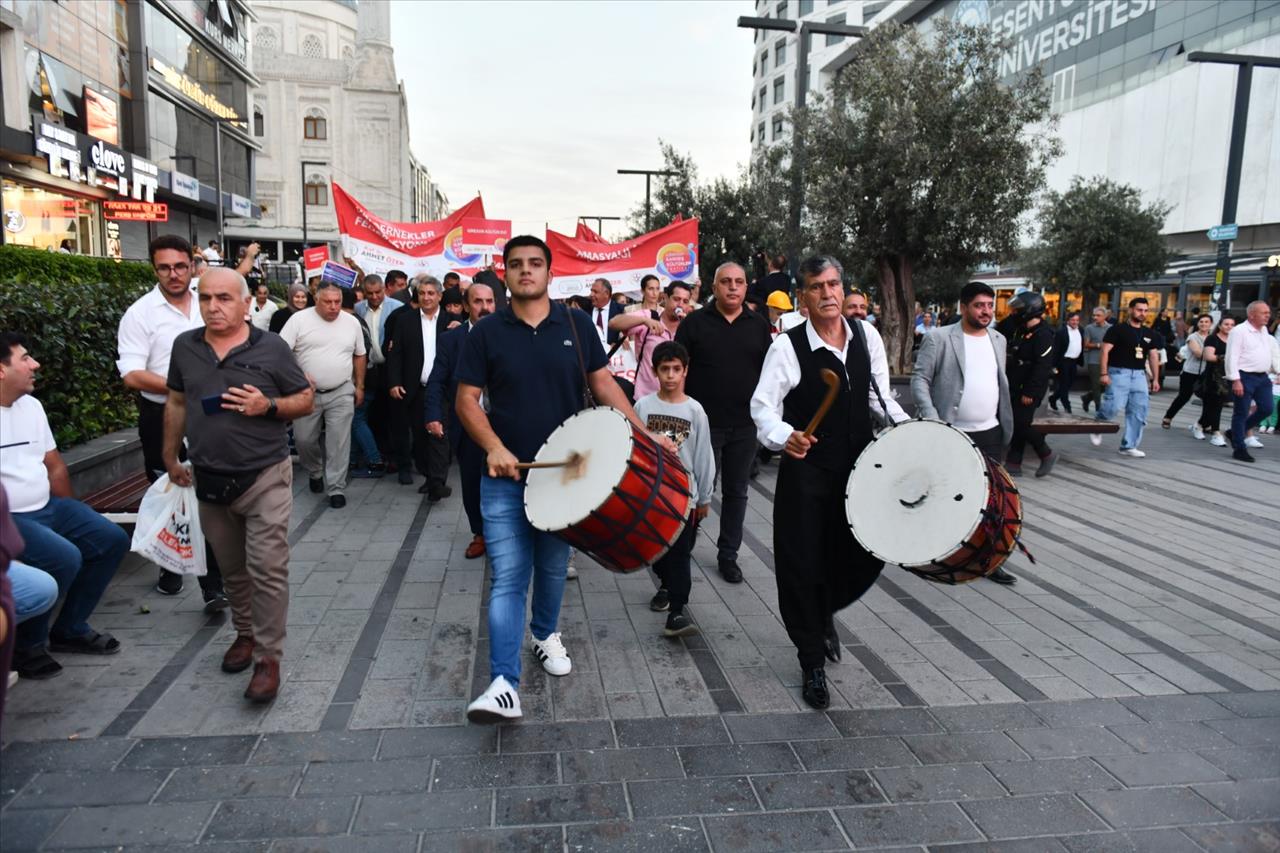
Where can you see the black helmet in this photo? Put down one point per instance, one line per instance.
(1027, 305)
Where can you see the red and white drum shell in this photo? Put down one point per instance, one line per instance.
(923, 496)
(630, 503)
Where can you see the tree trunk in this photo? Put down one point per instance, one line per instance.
(897, 311)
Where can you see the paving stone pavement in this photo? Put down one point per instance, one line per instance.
(1124, 695)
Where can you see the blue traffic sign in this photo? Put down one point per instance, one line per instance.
(1224, 232)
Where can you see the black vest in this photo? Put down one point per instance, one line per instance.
(846, 429)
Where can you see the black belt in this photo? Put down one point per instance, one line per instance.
(1254, 372)
(328, 390)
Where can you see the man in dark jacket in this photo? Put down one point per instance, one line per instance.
(441, 417)
(1029, 366)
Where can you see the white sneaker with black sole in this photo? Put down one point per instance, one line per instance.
(499, 703)
(552, 655)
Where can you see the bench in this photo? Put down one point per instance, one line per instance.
(1060, 423)
(119, 501)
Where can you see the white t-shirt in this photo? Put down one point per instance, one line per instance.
(979, 407)
(211, 254)
(25, 438)
(324, 348)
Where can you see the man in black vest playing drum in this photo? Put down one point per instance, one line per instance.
(820, 568)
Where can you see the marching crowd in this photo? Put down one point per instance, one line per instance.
(400, 376)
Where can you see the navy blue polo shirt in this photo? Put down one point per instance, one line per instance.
(532, 374)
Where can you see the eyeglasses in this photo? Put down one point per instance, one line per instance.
(166, 269)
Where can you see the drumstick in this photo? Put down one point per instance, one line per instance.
(574, 465)
(833, 388)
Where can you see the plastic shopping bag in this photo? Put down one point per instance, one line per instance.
(168, 529)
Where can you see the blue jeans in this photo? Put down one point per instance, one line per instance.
(1129, 389)
(82, 550)
(34, 591)
(363, 444)
(518, 552)
(1257, 389)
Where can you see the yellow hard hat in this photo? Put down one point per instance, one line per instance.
(779, 299)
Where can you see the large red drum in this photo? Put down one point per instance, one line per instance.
(630, 500)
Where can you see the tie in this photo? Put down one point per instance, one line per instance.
(600, 319)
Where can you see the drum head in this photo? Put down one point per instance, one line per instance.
(916, 493)
(603, 435)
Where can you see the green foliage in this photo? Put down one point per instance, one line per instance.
(737, 217)
(68, 307)
(1097, 234)
(922, 158)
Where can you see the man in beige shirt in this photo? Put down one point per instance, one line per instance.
(330, 347)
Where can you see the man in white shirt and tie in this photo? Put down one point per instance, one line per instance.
(1248, 361)
(144, 341)
(602, 309)
(410, 349)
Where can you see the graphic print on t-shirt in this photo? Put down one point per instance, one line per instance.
(676, 429)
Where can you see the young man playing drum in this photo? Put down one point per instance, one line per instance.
(820, 567)
(533, 361)
(671, 412)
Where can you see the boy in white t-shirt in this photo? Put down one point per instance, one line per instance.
(671, 412)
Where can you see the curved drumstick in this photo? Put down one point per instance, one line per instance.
(833, 388)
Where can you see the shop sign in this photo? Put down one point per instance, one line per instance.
(233, 43)
(102, 116)
(136, 211)
(184, 185)
(241, 206)
(193, 91)
(86, 160)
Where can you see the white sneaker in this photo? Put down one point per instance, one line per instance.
(1197, 432)
(571, 571)
(1253, 442)
(1096, 438)
(1218, 440)
(1132, 451)
(552, 655)
(13, 678)
(498, 703)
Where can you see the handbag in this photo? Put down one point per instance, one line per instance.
(1213, 384)
(221, 487)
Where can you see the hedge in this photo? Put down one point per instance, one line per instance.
(68, 308)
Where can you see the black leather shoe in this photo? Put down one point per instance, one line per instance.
(730, 572)
(406, 478)
(1243, 455)
(317, 485)
(815, 689)
(337, 501)
(831, 644)
(1001, 576)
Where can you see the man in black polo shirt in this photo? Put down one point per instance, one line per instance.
(1127, 348)
(232, 388)
(531, 363)
(726, 347)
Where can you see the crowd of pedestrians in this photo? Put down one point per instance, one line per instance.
(400, 376)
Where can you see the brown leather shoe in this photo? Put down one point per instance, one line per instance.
(240, 656)
(475, 549)
(265, 683)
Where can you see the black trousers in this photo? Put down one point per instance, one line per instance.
(990, 442)
(471, 461)
(734, 448)
(412, 444)
(673, 568)
(1211, 414)
(1066, 378)
(1186, 388)
(151, 434)
(1024, 433)
(820, 567)
(379, 410)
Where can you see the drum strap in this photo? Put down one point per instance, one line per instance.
(875, 387)
(588, 399)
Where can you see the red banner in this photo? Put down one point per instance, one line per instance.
(586, 235)
(379, 245)
(670, 253)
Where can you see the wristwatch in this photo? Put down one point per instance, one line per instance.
(271, 407)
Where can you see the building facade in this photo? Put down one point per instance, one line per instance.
(108, 129)
(330, 108)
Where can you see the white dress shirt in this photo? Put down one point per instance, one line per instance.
(1075, 344)
(1248, 349)
(600, 322)
(260, 315)
(373, 320)
(428, 343)
(781, 373)
(144, 339)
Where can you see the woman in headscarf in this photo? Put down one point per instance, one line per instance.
(296, 302)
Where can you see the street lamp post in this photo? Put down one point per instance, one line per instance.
(601, 219)
(648, 174)
(1235, 157)
(804, 30)
(302, 166)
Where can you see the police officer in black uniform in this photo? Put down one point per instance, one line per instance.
(1029, 366)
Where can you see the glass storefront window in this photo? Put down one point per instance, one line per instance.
(183, 141)
(1164, 298)
(48, 220)
(178, 49)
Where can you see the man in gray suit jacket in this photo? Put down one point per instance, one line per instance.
(959, 378)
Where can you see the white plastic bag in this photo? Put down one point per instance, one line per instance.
(168, 529)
